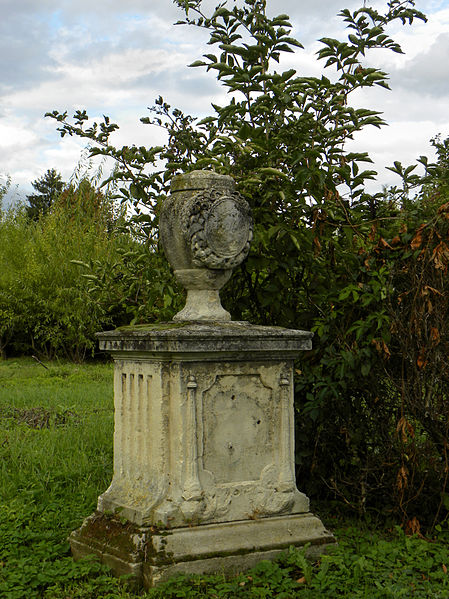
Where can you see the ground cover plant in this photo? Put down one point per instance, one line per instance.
(56, 458)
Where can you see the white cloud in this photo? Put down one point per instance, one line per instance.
(404, 141)
(15, 137)
(115, 57)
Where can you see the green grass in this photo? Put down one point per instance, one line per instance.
(56, 457)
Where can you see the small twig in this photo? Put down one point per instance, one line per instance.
(39, 362)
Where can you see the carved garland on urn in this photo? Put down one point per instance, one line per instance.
(219, 228)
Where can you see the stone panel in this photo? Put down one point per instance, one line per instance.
(237, 428)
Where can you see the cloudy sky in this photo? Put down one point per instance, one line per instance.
(115, 57)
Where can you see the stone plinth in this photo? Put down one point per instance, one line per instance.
(203, 452)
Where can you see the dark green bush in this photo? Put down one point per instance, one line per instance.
(326, 255)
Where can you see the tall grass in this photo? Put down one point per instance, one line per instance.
(55, 457)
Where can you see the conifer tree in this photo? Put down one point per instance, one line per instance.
(49, 187)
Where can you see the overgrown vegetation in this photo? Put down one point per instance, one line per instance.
(72, 271)
(56, 458)
(389, 325)
(371, 397)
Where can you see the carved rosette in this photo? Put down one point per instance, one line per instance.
(219, 228)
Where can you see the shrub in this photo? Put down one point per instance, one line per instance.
(44, 304)
(326, 255)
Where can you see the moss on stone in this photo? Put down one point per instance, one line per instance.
(159, 326)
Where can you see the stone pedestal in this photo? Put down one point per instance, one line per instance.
(203, 452)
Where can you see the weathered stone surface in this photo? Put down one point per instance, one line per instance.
(203, 447)
(206, 230)
(151, 555)
(206, 341)
(203, 423)
(204, 420)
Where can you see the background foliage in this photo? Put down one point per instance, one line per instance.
(51, 303)
(49, 187)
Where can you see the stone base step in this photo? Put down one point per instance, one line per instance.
(151, 555)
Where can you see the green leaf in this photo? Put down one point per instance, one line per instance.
(221, 12)
(198, 63)
(365, 369)
(272, 171)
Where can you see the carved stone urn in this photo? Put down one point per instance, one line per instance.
(206, 230)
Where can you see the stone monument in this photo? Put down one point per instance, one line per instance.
(204, 434)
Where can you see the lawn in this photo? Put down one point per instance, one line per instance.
(56, 427)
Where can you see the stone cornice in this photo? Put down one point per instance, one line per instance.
(203, 340)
